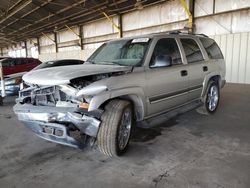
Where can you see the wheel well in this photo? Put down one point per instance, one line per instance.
(216, 79)
(135, 101)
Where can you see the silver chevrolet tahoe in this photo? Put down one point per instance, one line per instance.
(126, 82)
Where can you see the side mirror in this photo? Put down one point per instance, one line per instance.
(162, 61)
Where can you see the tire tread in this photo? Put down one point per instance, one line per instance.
(106, 138)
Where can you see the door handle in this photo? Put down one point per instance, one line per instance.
(184, 73)
(205, 69)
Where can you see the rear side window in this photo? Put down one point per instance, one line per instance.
(167, 46)
(19, 61)
(212, 49)
(192, 50)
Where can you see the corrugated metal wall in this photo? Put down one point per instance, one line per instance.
(236, 51)
(227, 21)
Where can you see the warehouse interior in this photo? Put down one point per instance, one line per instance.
(189, 150)
(59, 29)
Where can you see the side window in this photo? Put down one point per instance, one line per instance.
(167, 46)
(192, 50)
(28, 61)
(212, 49)
(19, 62)
(8, 63)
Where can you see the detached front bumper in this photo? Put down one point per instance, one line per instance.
(53, 123)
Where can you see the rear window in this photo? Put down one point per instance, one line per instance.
(212, 49)
(192, 50)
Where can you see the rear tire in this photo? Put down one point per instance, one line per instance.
(212, 99)
(115, 129)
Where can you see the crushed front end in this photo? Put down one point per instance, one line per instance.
(55, 114)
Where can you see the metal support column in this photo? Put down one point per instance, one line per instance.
(54, 41)
(120, 25)
(1, 51)
(213, 6)
(78, 35)
(56, 44)
(81, 36)
(26, 49)
(3, 93)
(113, 24)
(38, 46)
(189, 10)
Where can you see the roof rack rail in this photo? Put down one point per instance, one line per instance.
(175, 32)
(201, 34)
(179, 31)
(186, 32)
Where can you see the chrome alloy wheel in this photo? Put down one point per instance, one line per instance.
(213, 98)
(125, 129)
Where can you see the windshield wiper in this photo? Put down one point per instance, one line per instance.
(109, 63)
(106, 63)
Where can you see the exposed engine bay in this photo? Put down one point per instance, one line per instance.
(60, 95)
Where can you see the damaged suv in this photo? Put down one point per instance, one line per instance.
(125, 81)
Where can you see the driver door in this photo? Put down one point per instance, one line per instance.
(167, 87)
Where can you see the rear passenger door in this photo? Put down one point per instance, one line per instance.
(19, 65)
(27, 64)
(197, 67)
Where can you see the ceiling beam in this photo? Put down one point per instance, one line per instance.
(51, 15)
(81, 14)
(62, 20)
(28, 13)
(15, 9)
(99, 8)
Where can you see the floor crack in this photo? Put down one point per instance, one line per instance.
(160, 177)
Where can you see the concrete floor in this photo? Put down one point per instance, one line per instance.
(191, 150)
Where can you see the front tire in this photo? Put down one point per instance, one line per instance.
(115, 130)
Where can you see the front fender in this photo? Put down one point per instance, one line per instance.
(136, 94)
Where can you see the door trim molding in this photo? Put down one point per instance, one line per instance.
(167, 96)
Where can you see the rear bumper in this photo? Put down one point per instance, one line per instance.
(53, 123)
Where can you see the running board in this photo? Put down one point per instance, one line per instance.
(157, 120)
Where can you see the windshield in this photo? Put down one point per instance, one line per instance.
(122, 52)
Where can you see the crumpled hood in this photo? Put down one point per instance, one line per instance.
(63, 74)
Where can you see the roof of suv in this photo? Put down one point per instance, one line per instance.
(162, 34)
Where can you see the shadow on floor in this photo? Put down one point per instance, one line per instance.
(147, 134)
